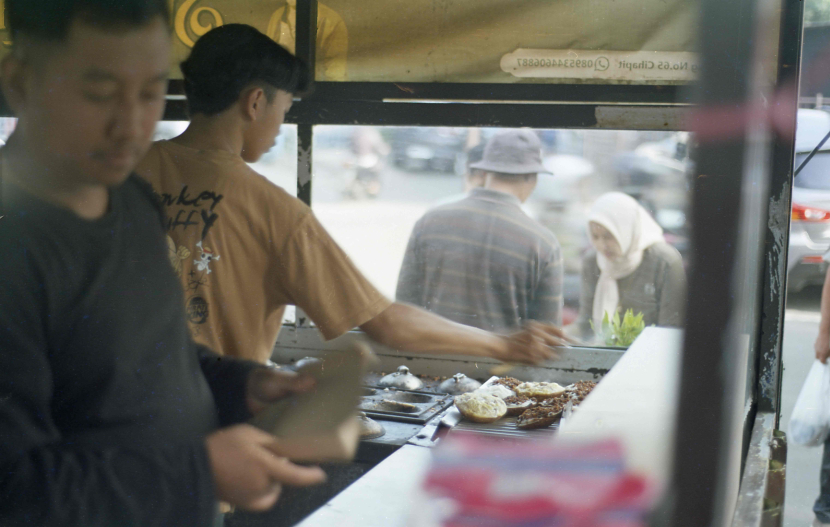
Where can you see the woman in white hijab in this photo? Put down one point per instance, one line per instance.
(632, 266)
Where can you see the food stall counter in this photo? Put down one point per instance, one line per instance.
(634, 402)
(382, 497)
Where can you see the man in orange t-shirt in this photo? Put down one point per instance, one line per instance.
(245, 249)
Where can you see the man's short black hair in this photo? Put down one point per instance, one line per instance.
(228, 59)
(50, 20)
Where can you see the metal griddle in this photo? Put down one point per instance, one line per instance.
(504, 428)
(406, 406)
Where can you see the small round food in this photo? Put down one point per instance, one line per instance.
(516, 405)
(538, 417)
(480, 408)
(509, 382)
(557, 403)
(497, 390)
(539, 389)
(581, 389)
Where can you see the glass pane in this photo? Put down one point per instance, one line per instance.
(814, 174)
(193, 18)
(373, 184)
(602, 41)
(278, 165)
(651, 41)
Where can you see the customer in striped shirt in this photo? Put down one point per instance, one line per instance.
(482, 261)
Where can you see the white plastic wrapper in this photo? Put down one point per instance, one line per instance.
(810, 422)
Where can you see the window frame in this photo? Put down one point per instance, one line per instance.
(611, 106)
(588, 106)
(558, 106)
(657, 107)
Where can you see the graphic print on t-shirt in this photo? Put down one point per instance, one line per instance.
(189, 216)
(177, 256)
(197, 311)
(206, 255)
(195, 281)
(191, 211)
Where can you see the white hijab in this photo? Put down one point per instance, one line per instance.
(635, 230)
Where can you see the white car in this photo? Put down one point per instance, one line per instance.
(810, 226)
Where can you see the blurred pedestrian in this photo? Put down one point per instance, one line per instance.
(473, 178)
(482, 261)
(246, 249)
(110, 413)
(630, 267)
(821, 508)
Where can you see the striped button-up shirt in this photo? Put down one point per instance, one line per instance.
(483, 262)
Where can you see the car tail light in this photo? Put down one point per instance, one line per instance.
(812, 259)
(802, 213)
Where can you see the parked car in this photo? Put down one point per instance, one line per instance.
(810, 225)
(432, 149)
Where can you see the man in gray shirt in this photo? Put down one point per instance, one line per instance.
(482, 261)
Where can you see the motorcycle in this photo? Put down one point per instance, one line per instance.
(363, 176)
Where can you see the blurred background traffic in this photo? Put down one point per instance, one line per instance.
(370, 203)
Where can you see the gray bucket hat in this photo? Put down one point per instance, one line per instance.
(513, 152)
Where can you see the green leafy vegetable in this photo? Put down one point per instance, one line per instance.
(620, 333)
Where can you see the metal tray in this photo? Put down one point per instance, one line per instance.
(407, 406)
(504, 427)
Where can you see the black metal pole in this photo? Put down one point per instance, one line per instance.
(306, 47)
(721, 302)
(306, 44)
(304, 153)
(773, 296)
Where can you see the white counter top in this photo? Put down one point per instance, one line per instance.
(636, 402)
(381, 498)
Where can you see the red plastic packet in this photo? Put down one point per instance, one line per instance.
(479, 481)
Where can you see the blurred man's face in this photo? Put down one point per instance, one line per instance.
(89, 105)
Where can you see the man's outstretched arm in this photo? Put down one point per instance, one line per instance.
(409, 328)
(325, 272)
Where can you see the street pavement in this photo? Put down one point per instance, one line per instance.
(800, 329)
(374, 232)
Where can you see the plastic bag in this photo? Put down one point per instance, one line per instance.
(810, 422)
